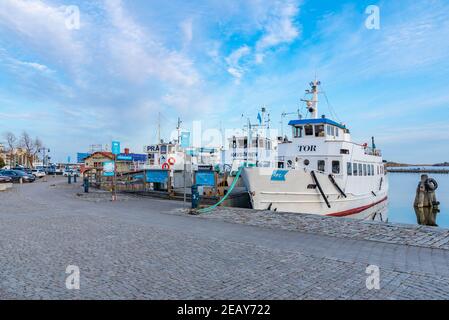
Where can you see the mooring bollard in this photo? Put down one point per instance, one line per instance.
(425, 193)
(195, 196)
(74, 178)
(69, 179)
(86, 185)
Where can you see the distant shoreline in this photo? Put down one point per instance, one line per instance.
(396, 164)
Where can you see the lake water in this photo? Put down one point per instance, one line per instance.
(402, 195)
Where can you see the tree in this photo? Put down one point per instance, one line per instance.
(2, 163)
(31, 147)
(11, 142)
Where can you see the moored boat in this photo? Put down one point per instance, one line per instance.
(321, 171)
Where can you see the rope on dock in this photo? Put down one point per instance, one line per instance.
(211, 208)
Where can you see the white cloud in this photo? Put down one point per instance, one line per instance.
(43, 28)
(139, 56)
(233, 61)
(279, 27)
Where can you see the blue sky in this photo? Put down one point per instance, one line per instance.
(216, 60)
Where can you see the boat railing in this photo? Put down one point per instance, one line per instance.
(373, 152)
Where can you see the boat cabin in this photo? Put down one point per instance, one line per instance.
(317, 128)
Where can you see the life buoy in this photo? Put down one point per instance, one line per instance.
(171, 161)
(165, 165)
(431, 184)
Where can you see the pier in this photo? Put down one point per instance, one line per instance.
(146, 248)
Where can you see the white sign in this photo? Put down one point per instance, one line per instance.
(153, 149)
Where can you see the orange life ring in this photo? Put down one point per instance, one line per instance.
(165, 165)
(171, 161)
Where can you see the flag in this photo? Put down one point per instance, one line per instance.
(259, 118)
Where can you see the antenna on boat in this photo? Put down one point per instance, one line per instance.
(312, 104)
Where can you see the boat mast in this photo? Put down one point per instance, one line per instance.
(312, 105)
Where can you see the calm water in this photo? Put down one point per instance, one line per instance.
(402, 194)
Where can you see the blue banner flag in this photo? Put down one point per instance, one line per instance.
(185, 139)
(115, 147)
(259, 117)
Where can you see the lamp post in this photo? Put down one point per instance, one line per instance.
(44, 160)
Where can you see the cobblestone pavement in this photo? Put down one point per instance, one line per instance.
(413, 235)
(134, 248)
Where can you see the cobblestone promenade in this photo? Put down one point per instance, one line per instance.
(142, 248)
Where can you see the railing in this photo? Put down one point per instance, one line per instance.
(373, 152)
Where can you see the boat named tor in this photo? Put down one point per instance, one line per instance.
(321, 171)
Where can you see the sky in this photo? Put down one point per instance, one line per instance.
(219, 62)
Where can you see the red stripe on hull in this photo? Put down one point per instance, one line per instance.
(355, 210)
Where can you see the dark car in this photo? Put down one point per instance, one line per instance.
(17, 175)
(5, 179)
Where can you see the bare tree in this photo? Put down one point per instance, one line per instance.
(11, 141)
(31, 147)
(38, 145)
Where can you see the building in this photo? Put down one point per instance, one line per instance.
(125, 161)
(19, 157)
(2, 154)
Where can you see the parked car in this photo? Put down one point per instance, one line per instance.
(5, 179)
(38, 173)
(71, 173)
(16, 175)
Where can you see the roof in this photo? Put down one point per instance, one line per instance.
(103, 153)
(134, 156)
(316, 121)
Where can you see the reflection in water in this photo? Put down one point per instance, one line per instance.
(402, 193)
(427, 216)
(379, 212)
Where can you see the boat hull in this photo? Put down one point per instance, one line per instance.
(297, 191)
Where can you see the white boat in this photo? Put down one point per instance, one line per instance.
(321, 171)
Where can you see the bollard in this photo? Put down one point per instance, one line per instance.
(74, 178)
(69, 177)
(86, 185)
(195, 196)
(425, 193)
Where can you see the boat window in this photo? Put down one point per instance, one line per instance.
(261, 143)
(360, 169)
(321, 165)
(306, 162)
(268, 144)
(297, 132)
(328, 130)
(336, 131)
(369, 170)
(254, 143)
(308, 130)
(372, 170)
(240, 143)
(349, 168)
(354, 169)
(319, 130)
(280, 165)
(336, 166)
(245, 143)
(364, 169)
(332, 131)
